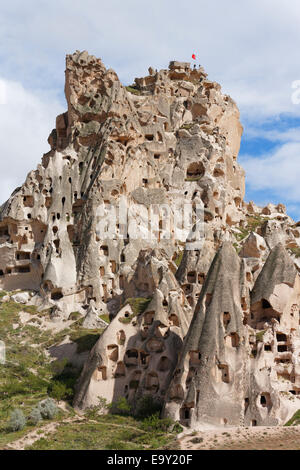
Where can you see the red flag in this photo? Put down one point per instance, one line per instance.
(194, 57)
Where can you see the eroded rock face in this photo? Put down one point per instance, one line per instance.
(209, 381)
(212, 331)
(138, 352)
(239, 366)
(175, 139)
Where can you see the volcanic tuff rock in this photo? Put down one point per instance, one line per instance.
(212, 332)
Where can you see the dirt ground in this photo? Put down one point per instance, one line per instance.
(252, 438)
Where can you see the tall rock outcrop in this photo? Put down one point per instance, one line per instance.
(209, 381)
(204, 317)
(172, 139)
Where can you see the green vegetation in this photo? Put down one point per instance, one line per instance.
(242, 234)
(155, 424)
(295, 251)
(105, 432)
(236, 247)
(35, 416)
(65, 376)
(121, 407)
(75, 316)
(187, 125)
(85, 339)
(118, 430)
(21, 386)
(17, 421)
(138, 306)
(260, 335)
(105, 318)
(30, 377)
(295, 420)
(178, 258)
(133, 89)
(47, 408)
(193, 178)
(147, 406)
(255, 221)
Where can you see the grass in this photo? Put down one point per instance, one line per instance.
(178, 258)
(133, 89)
(75, 316)
(236, 247)
(138, 306)
(241, 235)
(29, 376)
(104, 432)
(85, 339)
(105, 318)
(187, 126)
(295, 251)
(295, 420)
(21, 386)
(28, 373)
(254, 221)
(260, 335)
(193, 178)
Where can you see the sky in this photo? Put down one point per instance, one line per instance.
(250, 47)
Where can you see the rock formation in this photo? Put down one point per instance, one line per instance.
(211, 328)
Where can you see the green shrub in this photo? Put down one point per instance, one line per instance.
(85, 339)
(153, 424)
(60, 391)
(138, 304)
(17, 421)
(147, 406)
(35, 416)
(63, 383)
(133, 89)
(295, 251)
(260, 335)
(94, 411)
(58, 366)
(178, 258)
(105, 318)
(75, 316)
(120, 407)
(187, 125)
(48, 408)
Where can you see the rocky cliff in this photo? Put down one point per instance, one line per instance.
(205, 321)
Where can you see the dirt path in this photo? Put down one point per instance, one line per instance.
(50, 428)
(39, 433)
(252, 438)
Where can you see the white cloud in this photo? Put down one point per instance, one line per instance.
(250, 47)
(291, 134)
(26, 120)
(277, 171)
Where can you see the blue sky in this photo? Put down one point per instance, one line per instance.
(249, 47)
